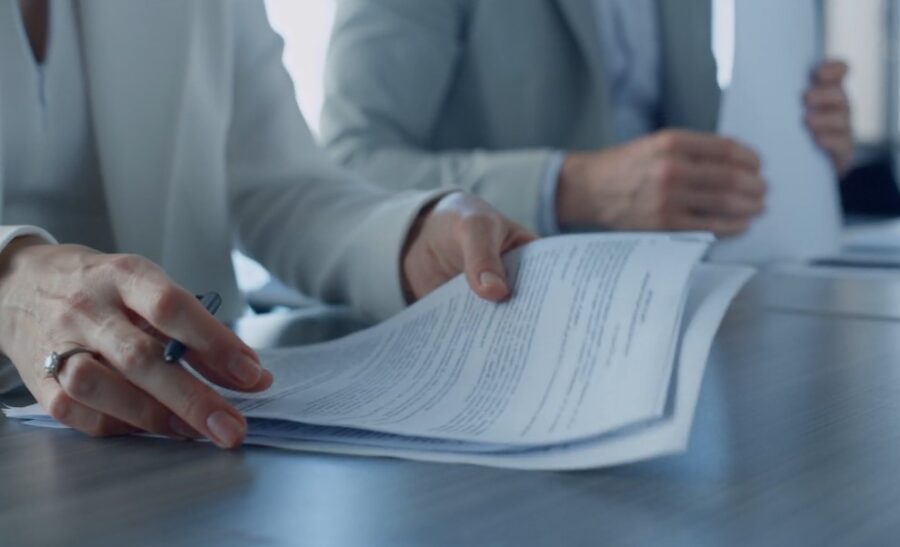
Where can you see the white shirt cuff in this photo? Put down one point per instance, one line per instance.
(9, 233)
(9, 376)
(548, 224)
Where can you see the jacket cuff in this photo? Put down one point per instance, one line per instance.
(514, 184)
(377, 291)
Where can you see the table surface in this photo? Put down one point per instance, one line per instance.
(796, 442)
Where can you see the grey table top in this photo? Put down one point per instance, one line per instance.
(796, 442)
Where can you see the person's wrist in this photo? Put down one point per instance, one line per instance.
(12, 256)
(12, 259)
(412, 235)
(572, 205)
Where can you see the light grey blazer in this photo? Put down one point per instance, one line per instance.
(482, 93)
(200, 142)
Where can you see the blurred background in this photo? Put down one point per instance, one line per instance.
(865, 33)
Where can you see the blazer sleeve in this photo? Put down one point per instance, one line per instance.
(313, 225)
(390, 66)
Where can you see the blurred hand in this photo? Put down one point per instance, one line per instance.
(122, 307)
(460, 234)
(671, 180)
(828, 114)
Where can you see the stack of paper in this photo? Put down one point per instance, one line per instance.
(596, 360)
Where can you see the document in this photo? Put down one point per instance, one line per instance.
(596, 360)
(869, 252)
(876, 238)
(776, 48)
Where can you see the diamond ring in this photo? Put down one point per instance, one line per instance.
(54, 362)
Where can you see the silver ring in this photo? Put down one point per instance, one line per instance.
(54, 362)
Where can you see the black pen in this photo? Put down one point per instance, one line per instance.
(174, 349)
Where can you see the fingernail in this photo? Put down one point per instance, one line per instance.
(245, 370)
(490, 279)
(268, 379)
(250, 353)
(226, 430)
(180, 429)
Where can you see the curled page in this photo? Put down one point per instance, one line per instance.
(584, 347)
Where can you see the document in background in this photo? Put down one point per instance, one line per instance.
(862, 280)
(869, 251)
(596, 360)
(877, 238)
(776, 48)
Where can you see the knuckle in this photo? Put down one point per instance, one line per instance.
(476, 220)
(165, 304)
(76, 307)
(59, 405)
(153, 418)
(68, 318)
(79, 380)
(126, 263)
(194, 404)
(732, 149)
(475, 223)
(135, 356)
(667, 173)
(731, 180)
(81, 301)
(103, 426)
(667, 140)
(729, 205)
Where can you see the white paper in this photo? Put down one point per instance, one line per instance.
(881, 238)
(567, 358)
(713, 288)
(776, 48)
(574, 371)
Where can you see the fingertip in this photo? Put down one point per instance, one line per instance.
(492, 286)
(227, 428)
(265, 382)
(248, 351)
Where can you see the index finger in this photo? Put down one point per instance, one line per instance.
(177, 314)
(830, 73)
(707, 147)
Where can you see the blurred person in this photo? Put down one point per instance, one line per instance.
(563, 114)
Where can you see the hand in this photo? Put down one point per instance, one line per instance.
(671, 180)
(828, 114)
(55, 298)
(459, 234)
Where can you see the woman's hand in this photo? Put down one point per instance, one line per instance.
(461, 233)
(121, 307)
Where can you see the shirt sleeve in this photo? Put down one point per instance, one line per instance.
(548, 224)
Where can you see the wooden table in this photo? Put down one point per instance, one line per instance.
(796, 442)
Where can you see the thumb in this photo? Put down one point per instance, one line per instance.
(482, 262)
